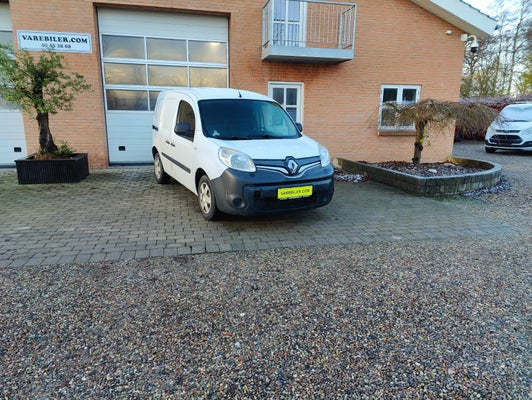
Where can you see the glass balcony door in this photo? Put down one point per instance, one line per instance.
(288, 23)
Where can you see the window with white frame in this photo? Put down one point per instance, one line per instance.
(290, 96)
(399, 94)
(289, 23)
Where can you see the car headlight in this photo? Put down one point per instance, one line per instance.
(526, 132)
(236, 160)
(325, 159)
(490, 132)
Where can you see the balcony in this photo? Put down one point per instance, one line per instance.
(308, 31)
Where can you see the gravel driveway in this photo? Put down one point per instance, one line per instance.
(410, 319)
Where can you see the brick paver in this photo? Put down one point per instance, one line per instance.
(121, 213)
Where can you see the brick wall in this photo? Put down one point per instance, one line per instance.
(396, 42)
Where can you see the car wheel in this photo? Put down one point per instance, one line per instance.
(207, 201)
(489, 149)
(160, 176)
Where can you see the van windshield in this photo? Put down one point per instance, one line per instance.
(244, 119)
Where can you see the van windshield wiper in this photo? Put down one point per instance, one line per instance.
(262, 136)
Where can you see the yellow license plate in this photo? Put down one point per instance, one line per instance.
(294, 192)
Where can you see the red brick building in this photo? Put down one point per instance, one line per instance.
(331, 64)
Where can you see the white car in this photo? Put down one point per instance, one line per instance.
(239, 152)
(511, 130)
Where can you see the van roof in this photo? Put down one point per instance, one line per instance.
(209, 93)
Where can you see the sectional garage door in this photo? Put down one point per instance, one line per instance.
(146, 52)
(12, 139)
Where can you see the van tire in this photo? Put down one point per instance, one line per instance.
(160, 176)
(206, 199)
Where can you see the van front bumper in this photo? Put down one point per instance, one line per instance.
(243, 193)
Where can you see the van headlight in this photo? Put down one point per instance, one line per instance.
(325, 159)
(236, 160)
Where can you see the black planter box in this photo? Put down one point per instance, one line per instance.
(67, 170)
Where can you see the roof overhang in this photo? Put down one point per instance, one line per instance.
(461, 15)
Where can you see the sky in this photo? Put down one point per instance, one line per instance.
(484, 5)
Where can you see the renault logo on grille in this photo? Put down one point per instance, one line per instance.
(291, 165)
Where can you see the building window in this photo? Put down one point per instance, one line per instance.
(289, 96)
(137, 68)
(399, 94)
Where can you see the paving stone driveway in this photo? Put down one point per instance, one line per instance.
(120, 213)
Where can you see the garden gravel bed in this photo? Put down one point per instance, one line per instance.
(429, 169)
(386, 320)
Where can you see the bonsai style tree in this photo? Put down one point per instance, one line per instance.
(439, 114)
(39, 86)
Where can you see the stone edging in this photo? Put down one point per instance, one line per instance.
(429, 186)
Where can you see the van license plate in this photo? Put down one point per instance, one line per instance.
(294, 192)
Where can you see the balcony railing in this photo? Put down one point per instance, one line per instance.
(308, 30)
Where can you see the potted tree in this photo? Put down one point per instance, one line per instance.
(41, 86)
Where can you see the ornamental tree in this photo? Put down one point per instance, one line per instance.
(40, 86)
(440, 114)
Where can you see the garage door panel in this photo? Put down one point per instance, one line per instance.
(134, 151)
(130, 141)
(12, 150)
(12, 138)
(155, 24)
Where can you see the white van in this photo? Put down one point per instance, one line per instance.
(239, 152)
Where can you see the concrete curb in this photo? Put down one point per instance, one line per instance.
(432, 186)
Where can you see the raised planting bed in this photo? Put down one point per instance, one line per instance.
(486, 174)
(57, 170)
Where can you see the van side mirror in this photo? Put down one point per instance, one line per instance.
(299, 127)
(182, 128)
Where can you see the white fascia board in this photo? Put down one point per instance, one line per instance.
(461, 15)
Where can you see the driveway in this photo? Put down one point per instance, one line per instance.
(380, 295)
(121, 213)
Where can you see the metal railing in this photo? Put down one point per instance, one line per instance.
(309, 23)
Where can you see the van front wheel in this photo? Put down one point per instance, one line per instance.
(207, 201)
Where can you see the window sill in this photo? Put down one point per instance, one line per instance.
(396, 132)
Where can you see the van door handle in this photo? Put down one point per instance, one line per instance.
(167, 141)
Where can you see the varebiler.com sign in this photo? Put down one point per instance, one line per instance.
(56, 41)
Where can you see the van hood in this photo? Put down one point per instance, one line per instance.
(273, 149)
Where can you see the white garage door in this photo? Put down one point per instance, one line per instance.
(12, 140)
(146, 52)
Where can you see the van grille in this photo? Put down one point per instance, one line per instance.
(283, 167)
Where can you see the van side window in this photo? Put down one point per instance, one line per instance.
(186, 120)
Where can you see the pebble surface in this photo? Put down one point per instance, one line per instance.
(386, 320)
